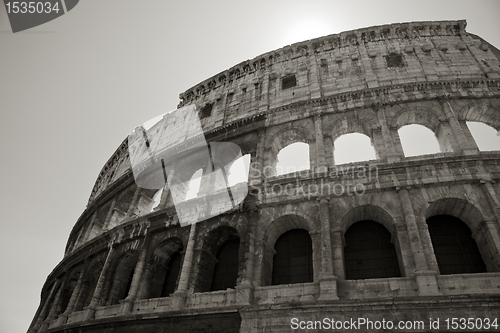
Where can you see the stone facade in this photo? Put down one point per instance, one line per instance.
(371, 81)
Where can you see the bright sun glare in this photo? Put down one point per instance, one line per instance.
(306, 29)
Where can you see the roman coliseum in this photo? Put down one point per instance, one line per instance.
(395, 238)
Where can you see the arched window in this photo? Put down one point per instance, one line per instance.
(293, 262)
(238, 171)
(122, 278)
(226, 268)
(89, 284)
(194, 185)
(157, 199)
(486, 137)
(455, 249)
(369, 253)
(293, 158)
(172, 274)
(418, 140)
(353, 147)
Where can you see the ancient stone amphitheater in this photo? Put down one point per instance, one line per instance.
(393, 242)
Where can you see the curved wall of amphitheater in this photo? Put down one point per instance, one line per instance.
(119, 273)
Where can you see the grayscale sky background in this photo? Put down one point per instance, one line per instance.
(72, 89)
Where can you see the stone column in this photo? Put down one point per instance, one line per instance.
(338, 253)
(244, 290)
(425, 278)
(179, 296)
(390, 152)
(110, 212)
(127, 303)
(89, 311)
(327, 279)
(52, 313)
(133, 203)
(463, 144)
(61, 320)
(88, 233)
(321, 165)
(45, 307)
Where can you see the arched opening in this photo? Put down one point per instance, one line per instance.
(172, 274)
(238, 171)
(353, 147)
(369, 252)
(418, 140)
(455, 250)
(292, 158)
(67, 292)
(157, 199)
(162, 270)
(293, 260)
(486, 137)
(226, 268)
(89, 284)
(217, 267)
(122, 278)
(194, 185)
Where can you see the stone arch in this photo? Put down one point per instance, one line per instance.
(369, 212)
(68, 289)
(427, 118)
(89, 283)
(483, 112)
(281, 224)
(473, 217)
(206, 254)
(282, 139)
(419, 116)
(157, 266)
(120, 277)
(353, 124)
(364, 122)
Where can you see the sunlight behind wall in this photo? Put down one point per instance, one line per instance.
(292, 158)
(418, 140)
(486, 137)
(353, 147)
(194, 185)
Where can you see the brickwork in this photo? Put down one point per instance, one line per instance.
(372, 81)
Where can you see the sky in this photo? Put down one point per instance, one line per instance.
(72, 89)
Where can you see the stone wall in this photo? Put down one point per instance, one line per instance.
(371, 81)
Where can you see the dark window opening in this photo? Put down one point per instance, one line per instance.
(292, 262)
(172, 275)
(206, 111)
(455, 249)
(226, 268)
(288, 82)
(128, 284)
(394, 60)
(369, 253)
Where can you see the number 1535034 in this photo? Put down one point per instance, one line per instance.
(32, 7)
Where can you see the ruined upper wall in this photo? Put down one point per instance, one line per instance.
(347, 62)
(352, 65)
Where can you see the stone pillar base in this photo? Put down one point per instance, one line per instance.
(125, 306)
(244, 293)
(427, 283)
(88, 313)
(61, 320)
(328, 288)
(178, 300)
